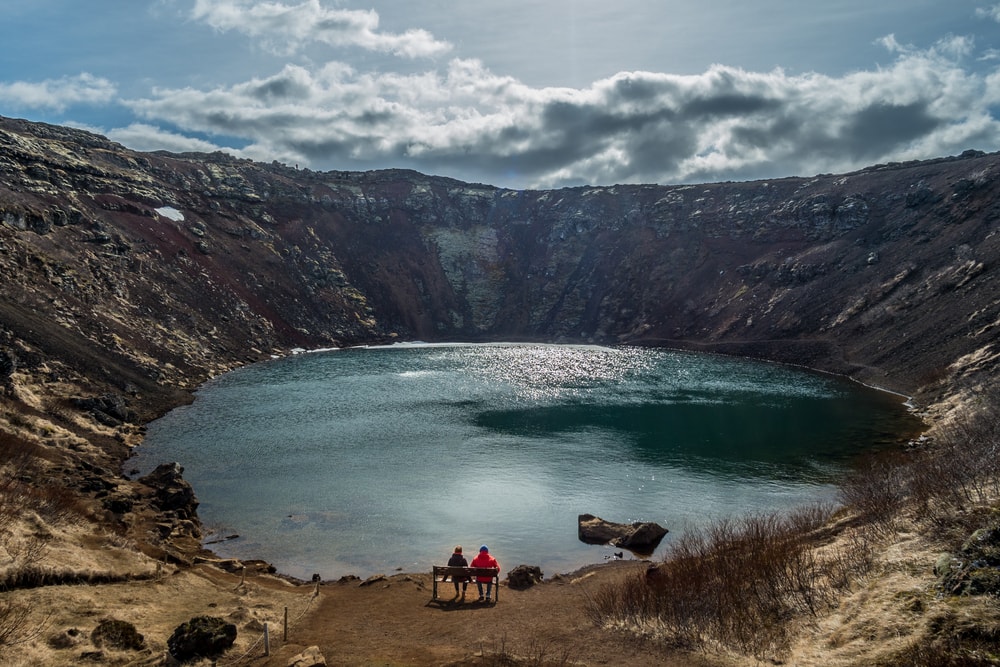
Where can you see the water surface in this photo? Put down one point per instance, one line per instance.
(370, 460)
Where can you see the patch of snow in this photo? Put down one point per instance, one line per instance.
(170, 212)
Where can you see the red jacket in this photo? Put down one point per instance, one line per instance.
(484, 559)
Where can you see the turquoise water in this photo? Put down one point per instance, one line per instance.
(361, 461)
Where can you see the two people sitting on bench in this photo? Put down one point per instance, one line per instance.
(484, 559)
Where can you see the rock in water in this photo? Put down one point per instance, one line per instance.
(641, 537)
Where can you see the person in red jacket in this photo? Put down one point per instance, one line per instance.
(484, 559)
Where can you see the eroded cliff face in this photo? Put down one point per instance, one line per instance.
(141, 274)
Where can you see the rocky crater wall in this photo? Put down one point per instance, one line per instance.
(142, 274)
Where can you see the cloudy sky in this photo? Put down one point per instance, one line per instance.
(518, 93)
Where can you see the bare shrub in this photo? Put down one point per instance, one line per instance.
(851, 559)
(944, 482)
(961, 471)
(57, 504)
(810, 517)
(536, 654)
(736, 583)
(18, 461)
(21, 490)
(26, 506)
(17, 625)
(26, 552)
(875, 492)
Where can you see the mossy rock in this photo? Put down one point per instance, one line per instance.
(201, 637)
(945, 564)
(975, 568)
(983, 545)
(982, 581)
(122, 635)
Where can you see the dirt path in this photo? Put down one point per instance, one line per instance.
(394, 622)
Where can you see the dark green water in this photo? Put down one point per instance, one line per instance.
(366, 460)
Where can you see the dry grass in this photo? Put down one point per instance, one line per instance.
(501, 653)
(737, 584)
(33, 518)
(758, 585)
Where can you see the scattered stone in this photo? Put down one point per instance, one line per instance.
(230, 565)
(109, 409)
(975, 569)
(201, 637)
(523, 577)
(121, 635)
(260, 566)
(374, 579)
(186, 528)
(68, 638)
(311, 657)
(8, 363)
(118, 504)
(172, 493)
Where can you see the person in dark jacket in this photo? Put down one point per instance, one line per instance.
(458, 560)
(484, 559)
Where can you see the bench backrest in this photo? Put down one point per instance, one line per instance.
(458, 571)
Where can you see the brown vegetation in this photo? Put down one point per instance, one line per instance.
(748, 586)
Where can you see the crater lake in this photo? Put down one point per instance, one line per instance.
(371, 460)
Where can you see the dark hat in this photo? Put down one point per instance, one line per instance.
(484, 548)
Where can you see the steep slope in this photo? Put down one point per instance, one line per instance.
(185, 259)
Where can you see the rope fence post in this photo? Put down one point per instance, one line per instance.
(285, 636)
(267, 640)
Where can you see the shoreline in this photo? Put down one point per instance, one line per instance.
(219, 555)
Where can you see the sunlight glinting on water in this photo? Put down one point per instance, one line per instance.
(366, 460)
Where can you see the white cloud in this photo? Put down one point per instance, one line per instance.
(285, 28)
(58, 94)
(725, 123)
(992, 13)
(144, 137)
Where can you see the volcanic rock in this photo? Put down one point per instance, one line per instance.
(171, 493)
(116, 634)
(641, 537)
(201, 637)
(524, 576)
(311, 657)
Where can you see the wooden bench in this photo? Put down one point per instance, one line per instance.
(443, 572)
